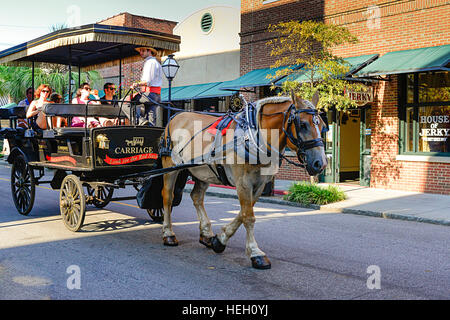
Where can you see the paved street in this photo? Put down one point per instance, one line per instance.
(120, 255)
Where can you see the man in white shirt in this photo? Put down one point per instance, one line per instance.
(150, 86)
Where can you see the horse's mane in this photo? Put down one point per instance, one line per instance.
(277, 99)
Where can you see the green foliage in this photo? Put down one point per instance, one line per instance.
(310, 43)
(15, 80)
(307, 193)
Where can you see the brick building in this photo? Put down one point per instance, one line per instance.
(401, 139)
(132, 67)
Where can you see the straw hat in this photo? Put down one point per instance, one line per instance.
(155, 53)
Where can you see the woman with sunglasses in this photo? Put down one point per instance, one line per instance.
(41, 95)
(82, 97)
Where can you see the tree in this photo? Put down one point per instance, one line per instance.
(15, 80)
(309, 44)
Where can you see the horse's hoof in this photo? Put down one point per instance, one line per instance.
(206, 241)
(261, 262)
(170, 241)
(216, 245)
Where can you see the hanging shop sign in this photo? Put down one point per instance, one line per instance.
(360, 97)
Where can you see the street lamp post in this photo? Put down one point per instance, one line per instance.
(170, 67)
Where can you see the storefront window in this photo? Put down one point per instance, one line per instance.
(434, 86)
(426, 121)
(410, 129)
(410, 88)
(434, 129)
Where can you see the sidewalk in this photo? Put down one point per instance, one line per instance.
(392, 204)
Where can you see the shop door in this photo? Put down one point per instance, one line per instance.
(331, 138)
(365, 142)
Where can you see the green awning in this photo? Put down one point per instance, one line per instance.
(165, 92)
(196, 91)
(215, 91)
(255, 78)
(406, 61)
(355, 63)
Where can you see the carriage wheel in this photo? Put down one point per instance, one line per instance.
(23, 187)
(157, 215)
(72, 202)
(105, 195)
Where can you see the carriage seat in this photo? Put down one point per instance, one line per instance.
(18, 112)
(8, 133)
(79, 110)
(65, 132)
(4, 113)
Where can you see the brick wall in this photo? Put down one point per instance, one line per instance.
(386, 171)
(390, 26)
(126, 19)
(132, 67)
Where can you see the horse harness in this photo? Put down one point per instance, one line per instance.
(298, 142)
(247, 124)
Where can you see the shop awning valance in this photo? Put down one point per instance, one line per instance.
(215, 91)
(406, 61)
(165, 92)
(256, 78)
(196, 91)
(355, 64)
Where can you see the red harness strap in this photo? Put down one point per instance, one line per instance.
(213, 128)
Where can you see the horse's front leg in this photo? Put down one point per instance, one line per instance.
(247, 198)
(257, 256)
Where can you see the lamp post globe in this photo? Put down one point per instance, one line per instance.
(170, 67)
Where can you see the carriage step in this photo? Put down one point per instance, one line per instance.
(123, 198)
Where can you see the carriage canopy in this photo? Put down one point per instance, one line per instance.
(89, 45)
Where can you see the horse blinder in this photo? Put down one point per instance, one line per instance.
(302, 146)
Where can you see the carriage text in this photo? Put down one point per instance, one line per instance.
(132, 150)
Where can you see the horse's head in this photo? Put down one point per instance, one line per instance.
(303, 129)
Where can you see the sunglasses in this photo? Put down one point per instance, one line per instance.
(112, 88)
(87, 88)
(46, 91)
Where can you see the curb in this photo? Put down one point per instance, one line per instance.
(385, 215)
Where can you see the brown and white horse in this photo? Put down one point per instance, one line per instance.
(295, 123)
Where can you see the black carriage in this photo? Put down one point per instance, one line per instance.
(86, 164)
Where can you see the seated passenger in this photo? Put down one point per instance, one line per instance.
(110, 90)
(83, 93)
(35, 109)
(58, 122)
(82, 97)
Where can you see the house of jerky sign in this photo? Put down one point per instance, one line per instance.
(437, 127)
(360, 97)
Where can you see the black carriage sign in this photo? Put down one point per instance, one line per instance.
(123, 147)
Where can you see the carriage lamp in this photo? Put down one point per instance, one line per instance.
(170, 67)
